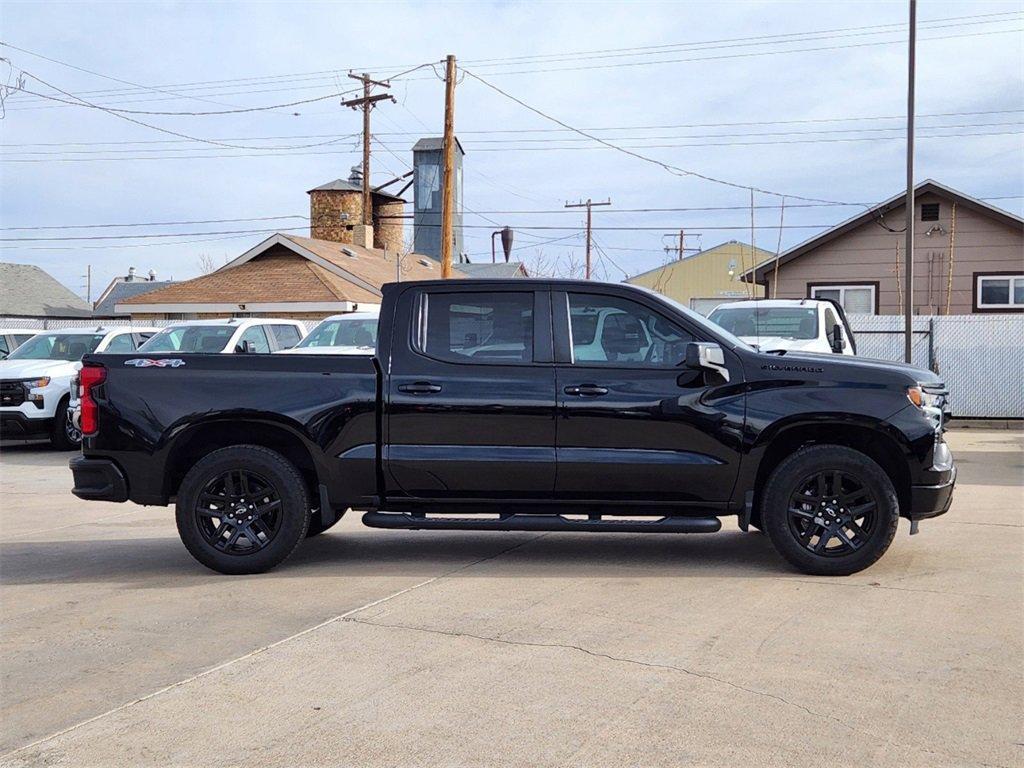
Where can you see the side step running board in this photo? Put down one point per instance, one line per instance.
(530, 522)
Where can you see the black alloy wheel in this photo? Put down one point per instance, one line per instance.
(238, 512)
(830, 510)
(832, 513)
(242, 509)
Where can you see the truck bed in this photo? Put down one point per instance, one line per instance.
(156, 412)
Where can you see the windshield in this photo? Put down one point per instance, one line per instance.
(343, 332)
(57, 346)
(190, 338)
(712, 329)
(781, 322)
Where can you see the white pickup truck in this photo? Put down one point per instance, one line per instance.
(775, 325)
(36, 379)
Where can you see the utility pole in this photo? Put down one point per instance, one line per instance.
(588, 205)
(88, 283)
(448, 168)
(366, 104)
(908, 287)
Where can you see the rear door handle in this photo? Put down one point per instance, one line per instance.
(586, 390)
(420, 388)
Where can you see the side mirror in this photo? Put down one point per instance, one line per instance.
(706, 356)
(244, 348)
(838, 342)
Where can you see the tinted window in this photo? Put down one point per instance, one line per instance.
(57, 346)
(195, 338)
(20, 339)
(3, 345)
(343, 332)
(256, 338)
(120, 344)
(477, 327)
(783, 322)
(607, 330)
(287, 336)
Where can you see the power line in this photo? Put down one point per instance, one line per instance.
(485, 63)
(546, 130)
(745, 55)
(988, 18)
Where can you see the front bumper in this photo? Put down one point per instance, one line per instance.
(15, 425)
(98, 480)
(932, 500)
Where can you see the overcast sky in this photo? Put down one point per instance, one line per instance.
(797, 98)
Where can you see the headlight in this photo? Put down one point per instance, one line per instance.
(36, 383)
(923, 399)
(930, 403)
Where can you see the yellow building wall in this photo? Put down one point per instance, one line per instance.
(705, 275)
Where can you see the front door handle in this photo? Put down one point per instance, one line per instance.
(586, 390)
(420, 388)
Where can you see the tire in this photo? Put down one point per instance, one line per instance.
(798, 511)
(242, 510)
(64, 436)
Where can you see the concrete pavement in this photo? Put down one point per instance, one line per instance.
(415, 648)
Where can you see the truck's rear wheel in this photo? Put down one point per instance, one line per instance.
(242, 509)
(830, 510)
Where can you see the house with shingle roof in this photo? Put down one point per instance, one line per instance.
(286, 276)
(28, 291)
(124, 287)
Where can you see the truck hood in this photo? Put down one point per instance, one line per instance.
(33, 369)
(910, 373)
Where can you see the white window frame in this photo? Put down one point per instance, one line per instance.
(842, 293)
(1010, 303)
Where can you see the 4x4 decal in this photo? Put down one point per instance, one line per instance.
(142, 362)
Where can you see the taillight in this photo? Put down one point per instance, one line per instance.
(91, 376)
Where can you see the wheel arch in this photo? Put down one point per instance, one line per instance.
(205, 437)
(876, 439)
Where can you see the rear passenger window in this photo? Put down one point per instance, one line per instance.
(121, 344)
(287, 336)
(477, 327)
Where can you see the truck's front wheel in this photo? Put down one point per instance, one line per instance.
(242, 509)
(830, 510)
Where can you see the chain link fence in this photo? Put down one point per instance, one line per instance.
(980, 357)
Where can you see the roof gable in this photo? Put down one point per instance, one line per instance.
(896, 201)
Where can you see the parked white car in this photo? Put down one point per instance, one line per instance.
(236, 335)
(774, 325)
(354, 333)
(12, 338)
(36, 379)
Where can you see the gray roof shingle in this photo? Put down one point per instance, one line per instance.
(501, 269)
(28, 291)
(122, 291)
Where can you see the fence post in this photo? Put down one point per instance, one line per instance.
(931, 346)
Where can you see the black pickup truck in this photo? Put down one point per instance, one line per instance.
(542, 405)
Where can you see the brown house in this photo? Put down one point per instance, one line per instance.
(285, 276)
(968, 257)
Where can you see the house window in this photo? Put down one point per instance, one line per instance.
(999, 292)
(929, 211)
(854, 299)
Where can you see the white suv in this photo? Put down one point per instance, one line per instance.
(36, 379)
(251, 335)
